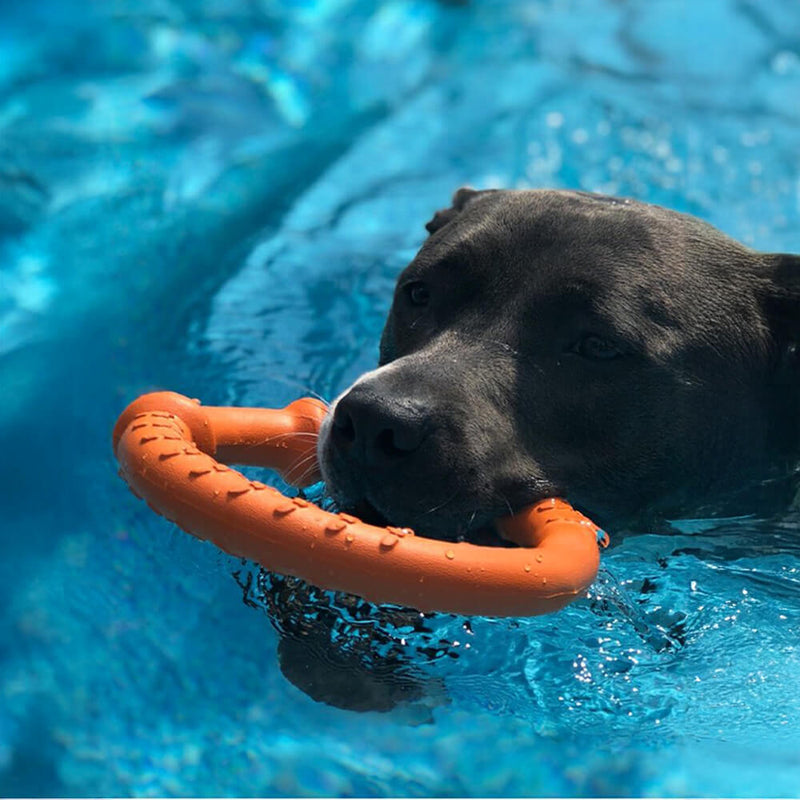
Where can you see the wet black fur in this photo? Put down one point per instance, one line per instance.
(495, 400)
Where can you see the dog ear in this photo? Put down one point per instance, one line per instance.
(781, 306)
(461, 199)
(782, 299)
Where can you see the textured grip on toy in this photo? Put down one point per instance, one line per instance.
(170, 447)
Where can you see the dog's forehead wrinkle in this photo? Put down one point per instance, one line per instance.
(553, 211)
(460, 247)
(539, 231)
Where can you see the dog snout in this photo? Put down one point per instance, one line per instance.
(376, 428)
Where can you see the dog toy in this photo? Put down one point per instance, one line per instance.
(173, 451)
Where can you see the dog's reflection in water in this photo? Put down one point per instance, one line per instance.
(345, 652)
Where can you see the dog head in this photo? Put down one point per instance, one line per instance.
(632, 359)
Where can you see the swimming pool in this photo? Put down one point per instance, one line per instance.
(216, 198)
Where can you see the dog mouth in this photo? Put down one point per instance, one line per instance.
(367, 512)
(484, 533)
(426, 496)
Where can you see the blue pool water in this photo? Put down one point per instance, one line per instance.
(215, 197)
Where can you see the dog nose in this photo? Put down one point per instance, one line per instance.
(379, 427)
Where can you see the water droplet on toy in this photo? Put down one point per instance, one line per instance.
(450, 554)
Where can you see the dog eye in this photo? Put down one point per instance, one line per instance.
(596, 348)
(417, 293)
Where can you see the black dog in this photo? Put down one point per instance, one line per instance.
(634, 360)
(629, 358)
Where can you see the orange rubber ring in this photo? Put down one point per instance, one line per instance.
(167, 446)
